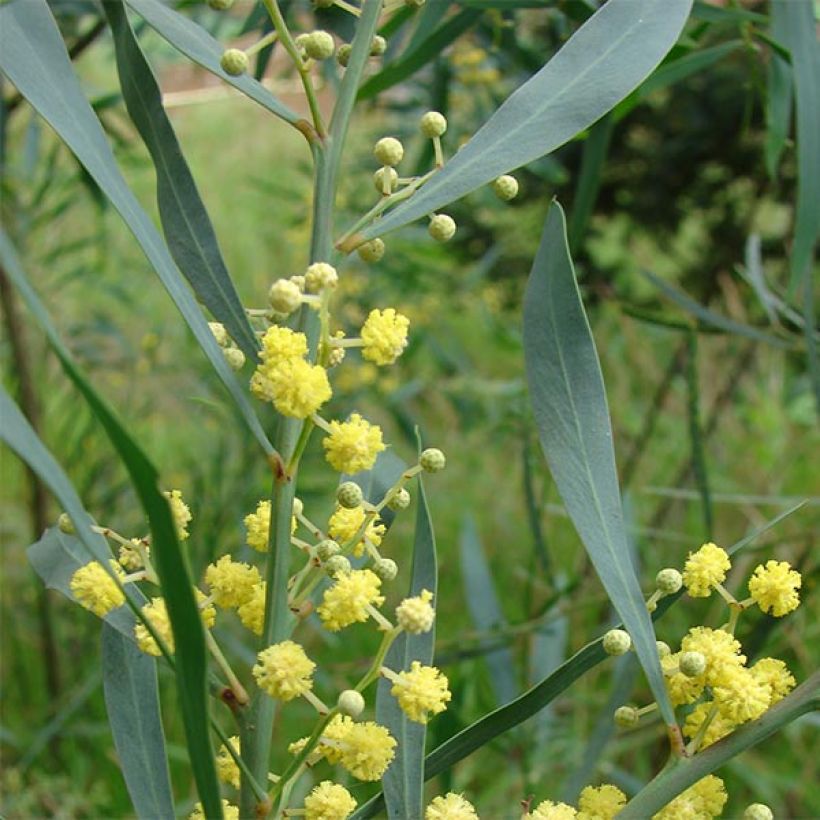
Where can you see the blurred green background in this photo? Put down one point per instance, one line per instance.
(713, 436)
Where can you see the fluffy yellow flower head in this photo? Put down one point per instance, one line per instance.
(701, 801)
(721, 650)
(547, 810)
(346, 601)
(345, 523)
(353, 445)
(329, 801)
(681, 688)
(384, 335)
(421, 691)
(298, 389)
(704, 569)
(180, 513)
(226, 769)
(775, 675)
(280, 344)
(774, 587)
(252, 611)
(740, 696)
(718, 728)
(229, 812)
(600, 802)
(157, 613)
(451, 806)
(416, 615)
(95, 589)
(257, 525)
(364, 749)
(129, 556)
(284, 671)
(231, 582)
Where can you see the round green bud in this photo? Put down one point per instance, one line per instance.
(378, 46)
(392, 179)
(371, 251)
(617, 642)
(219, 333)
(234, 62)
(319, 276)
(349, 495)
(337, 565)
(220, 5)
(343, 54)
(284, 296)
(432, 460)
(442, 227)
(388, 151)
(65, 524)
(235, 357)
(298, 506)
(663, 649)
(326, 549)
(386, 569)
(400, 501)
(669, 581)
(692, 664)
(626, 716)
(758, 811)
(505, 187)
(433, 124)
(351, 703)
(319, 45)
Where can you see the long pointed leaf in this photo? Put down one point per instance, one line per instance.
(34, 57)
(572, 417)
(186, 224)
(779, 96)
(609, 56)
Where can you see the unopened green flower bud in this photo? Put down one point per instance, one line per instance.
(433, 124)
(326, 549)
(692, 664)
(235, 357)
(388, 151)
(343, 54)
(371, 251)
(392, 179)
(669, 581)
(319, 276)
(220, 5)
(298, 506)
(617, 642)
(432, 460)
(442, 227)
(349, 495)
(663, 649)
(319, 45)
(65, 524)
(758, 811)
(400, 501)
(351, 703)
(505, 187)
(378, 46)
(219, 333)
(626, 716)
(234, 62)
(284, 296)
(386, 569)
(337, 565)
(299, 281)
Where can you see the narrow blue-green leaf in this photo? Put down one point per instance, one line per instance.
(712, 13)
(485, 610)
(132, 704)
(186, 224)
(34, 57)
(799, 35)
(177, 589)
(196, 44)
(779, 96)
(571, 414)
(609, 56)
(404, 780)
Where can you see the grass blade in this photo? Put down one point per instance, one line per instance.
(606, 58)
(186, 224)
(779, 96)
(132, 704)
(571, 414)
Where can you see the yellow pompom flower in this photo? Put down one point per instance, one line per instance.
(329, 801)
(721, 650)
(775, 675)
(284, 671)
(226, 769)
(231, 582)
(385, 336)
(705, 569)
(600, 802)
(95, 589)
(450, 806)
(157, 614)
(719, 725)
(416, 615)
(347, 600)
(180, 513)
(129, 556)
(421, 691)
(281, 344)
(257, 525)
(547, 810)
(367, 750)
(740, 696)
(701, 801)
(353, 445)
(345, 523)
(252, 611)
(229, 812)
(299, 388)
(774, 587)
